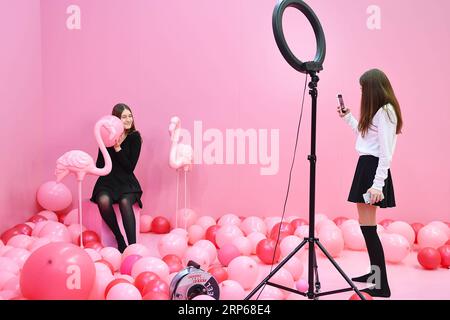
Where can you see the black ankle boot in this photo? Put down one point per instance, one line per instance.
(363, 278)
(121, 244)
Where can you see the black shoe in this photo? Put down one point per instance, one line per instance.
(363, 278)
(382, 293)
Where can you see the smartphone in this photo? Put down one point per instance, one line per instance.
(341, 103)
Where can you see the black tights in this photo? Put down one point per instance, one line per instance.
(105, 205)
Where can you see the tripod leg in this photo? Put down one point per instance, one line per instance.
(316, 272)
(340, 271)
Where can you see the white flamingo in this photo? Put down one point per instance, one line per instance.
(80, 163)
(180, 158)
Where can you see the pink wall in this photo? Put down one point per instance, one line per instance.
(217, 62)
(22, 118)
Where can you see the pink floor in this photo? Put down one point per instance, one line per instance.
(408, 280)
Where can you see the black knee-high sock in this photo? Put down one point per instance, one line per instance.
(377, 261)
(106, 209)
(128, 218)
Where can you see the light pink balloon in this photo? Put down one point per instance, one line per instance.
(229, 219)
(396, 247)
(37, 243)
(319, 217)
(331, 238)
(145, 223)
(170, 277)
(441, 225)
(75, 231)
(255, 238)
(18, 255)
(209, 247)
(295, 267)
(1, 243)
(150, 264)
(186, 218)
(284, 278)
(13, 285)
(71, 217)
(9, 265)
(353, 237)
(102, 279)
(38, 227)
(20, 241)
(226, 234)
(95, 256)
(431, 236)
(127, 277)
(112, 255)
(172, 243)
(253, 224)
(180, 232)
(323, 223)
(198, 255)
(5, 249)
(243, 270)
(205, 222)
(270, 222)
(5, 276)
(124, 291)
(195, 233)
(288, 244)
(137, 249)
(56, 232)
(54, 196)
(404, 229)
(203, 297)
(231, 290)
(271, 293)
(291, 218)
(50, 215)
(302, 231)
(348, 222)
(302, 285)
(243, 244)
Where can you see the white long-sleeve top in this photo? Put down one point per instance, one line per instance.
(379, 141)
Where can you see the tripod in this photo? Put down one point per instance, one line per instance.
(311, 240)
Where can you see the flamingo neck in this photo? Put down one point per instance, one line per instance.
(101, 144)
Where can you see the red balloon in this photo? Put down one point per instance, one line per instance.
(210, 234)
(89, 236)
(448, 242)
(365, 294)
(444, 251)
(429, 258)
(386, 222)
(62, 216)
(108, 264)
(265, 251)
(173, 262)
(97, 246)
(416, 226)
(113, 283)
(37, 218)
(143, 279)
(297, 223)
(338, 221)
(8, 234)
(156, 285)
(24, 229)
(156, 296)
(160, 225)
(286, 230)
(219, 273)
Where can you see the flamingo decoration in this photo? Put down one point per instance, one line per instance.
(80, 163)
(180, 158)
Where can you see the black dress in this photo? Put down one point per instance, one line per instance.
(121, 180)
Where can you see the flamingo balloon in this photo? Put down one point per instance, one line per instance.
(80, 163)
(180, 158)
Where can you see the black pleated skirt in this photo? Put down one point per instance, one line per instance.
(363, 180)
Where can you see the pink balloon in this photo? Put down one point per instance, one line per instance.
(206, 221)
(75, 231)
(396, 247)
(127, 277)
(243, 270)
(404, 229)
(255, 238)
(50, 215)
(5, 249)
(172, 243)
(209, 247)
(38, 227)
(136, 249)
(295, 267)
(71, 217)
(353, 237)
(288, 244)
(302, 231)
(195, 233)
(65, 266)
(5, 276)
(324, 223)
(145, 223)
(56, 232)
(226, 234)
(431, 236)
(271, 293)
(198, 255)
(18, 255)
(54, 196)
(348, 222)
(20, 241)
(441, 225)
(37, 243)
(186, 218)
(124, 291)
(331, 238)
(243, 244)
(151, 264)
(227, 253)
(283, 278)
(203, 297)
(231, 290)
(181, 232)
(95, 256)
(302, 285)
(253, 224)
(113, 256)
(13, 285)
(9, 265)
(128, 263)
(229, 219)
(102, 279)
(271, 221)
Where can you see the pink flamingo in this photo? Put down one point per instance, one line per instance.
(80, 163)
(180, 158)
